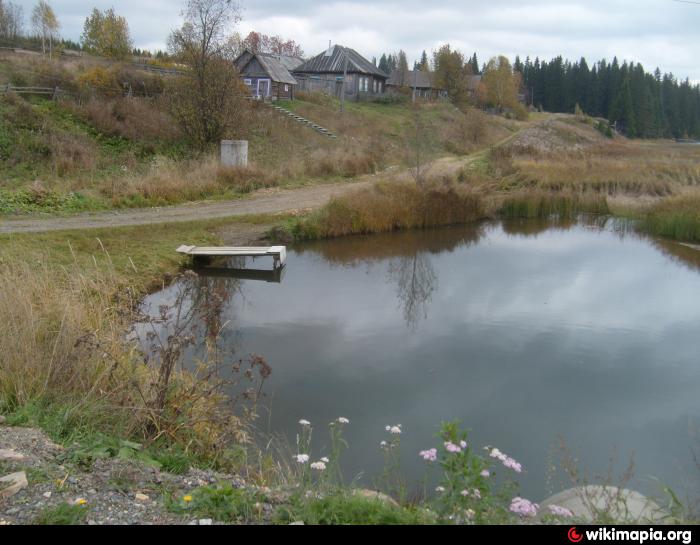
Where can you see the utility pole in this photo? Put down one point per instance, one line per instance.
(345, 77)
(415, 84)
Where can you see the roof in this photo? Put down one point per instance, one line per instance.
(278, 67)
(414, 78)
(333, 61)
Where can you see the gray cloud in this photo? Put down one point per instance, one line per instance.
(654, 32)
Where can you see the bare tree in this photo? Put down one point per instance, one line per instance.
(11, 16)
(418, 145)
(416, 282)
(45, 24)
(208, 98)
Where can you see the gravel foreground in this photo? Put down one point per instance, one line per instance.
(113, 491)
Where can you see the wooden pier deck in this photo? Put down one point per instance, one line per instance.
(278, 253)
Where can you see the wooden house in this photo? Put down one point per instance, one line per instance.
(268, 76)
(326, 71)
(422, 82)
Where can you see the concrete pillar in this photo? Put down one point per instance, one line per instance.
(234, 153)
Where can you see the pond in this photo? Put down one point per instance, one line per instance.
(533, 335)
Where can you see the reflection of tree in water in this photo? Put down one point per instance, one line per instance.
(416, 282)
(211, 296)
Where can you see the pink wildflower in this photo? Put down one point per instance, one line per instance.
(524, 508)
(512, 464)
(451, 447)
(495, 453)
(485, 473)
(429, 455)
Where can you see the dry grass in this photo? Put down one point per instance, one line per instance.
(137, 119)
(169, 182)
(389, 207)
(71, 153)
(567, 155)
(65, 348)
(611, 171)
(345, 163)
(45, 313)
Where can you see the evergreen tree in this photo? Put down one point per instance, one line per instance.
(424, 63)
(384, 64)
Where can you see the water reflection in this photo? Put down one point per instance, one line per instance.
(416, 282)
(526, 331)
(409, 261)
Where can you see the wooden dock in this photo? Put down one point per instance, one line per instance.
(278, 253)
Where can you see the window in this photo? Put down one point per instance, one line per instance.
(248, 82)
(286, 88)
(375, 86)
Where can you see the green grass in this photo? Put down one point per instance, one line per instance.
(677, 218)
(62, 515)
(221, 502)
(544, 206)
(346, 508)
(26, 201)
(142, 256)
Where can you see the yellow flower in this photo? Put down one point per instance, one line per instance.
(187, 499)
(81, 501)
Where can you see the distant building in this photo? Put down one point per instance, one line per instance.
(324, 73)
(268, 76)
(423, 82)
(473, 83)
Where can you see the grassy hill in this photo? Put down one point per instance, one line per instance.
(99, 150)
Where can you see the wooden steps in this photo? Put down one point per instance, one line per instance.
(304, 121)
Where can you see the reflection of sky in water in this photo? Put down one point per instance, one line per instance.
(575, 333)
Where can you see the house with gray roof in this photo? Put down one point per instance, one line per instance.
(268, 76)
(326, 73)
(423, 82)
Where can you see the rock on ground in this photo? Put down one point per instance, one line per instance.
(623, 505)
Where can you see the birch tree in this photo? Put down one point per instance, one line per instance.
(45, 24)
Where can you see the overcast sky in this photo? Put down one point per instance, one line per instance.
(660, 33)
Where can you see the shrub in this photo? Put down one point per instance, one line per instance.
(99, 80)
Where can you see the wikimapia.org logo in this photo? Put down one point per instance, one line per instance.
(631, 536)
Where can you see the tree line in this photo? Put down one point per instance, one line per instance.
(639, 103)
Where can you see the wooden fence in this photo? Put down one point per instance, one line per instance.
(53, 92)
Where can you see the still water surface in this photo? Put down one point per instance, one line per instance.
(529, 334)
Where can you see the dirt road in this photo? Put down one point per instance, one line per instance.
(263, 202)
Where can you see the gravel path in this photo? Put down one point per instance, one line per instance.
(114, 491)
(262, 202)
